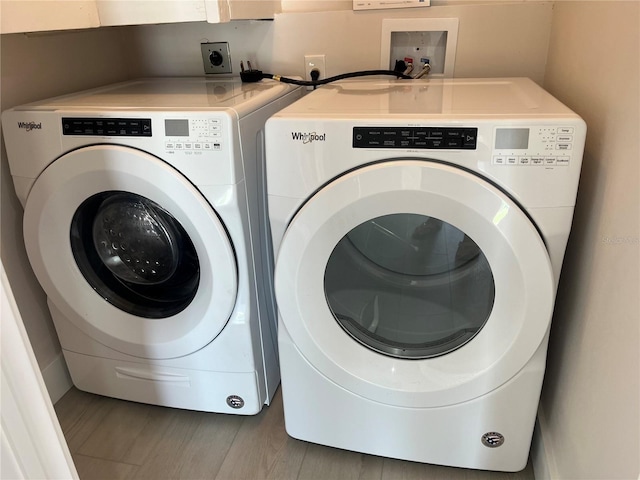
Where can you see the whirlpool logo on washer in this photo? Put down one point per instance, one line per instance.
(308, 137)
(28, 126)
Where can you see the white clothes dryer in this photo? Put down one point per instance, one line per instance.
(145, 223)
(420, 228)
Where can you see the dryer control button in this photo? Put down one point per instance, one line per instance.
(418, 137)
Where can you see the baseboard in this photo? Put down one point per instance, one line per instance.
(544, 467)
(56, 378)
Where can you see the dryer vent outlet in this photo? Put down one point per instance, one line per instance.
(216, 57)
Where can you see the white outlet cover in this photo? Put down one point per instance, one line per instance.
(449, 25)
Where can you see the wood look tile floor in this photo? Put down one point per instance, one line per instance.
(114, 439)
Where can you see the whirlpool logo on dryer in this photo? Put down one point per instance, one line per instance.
(28, 126)
(309, 137)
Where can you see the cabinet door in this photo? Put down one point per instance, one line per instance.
(139, 12)
(253, 9)
(219, 11)
(43, 15)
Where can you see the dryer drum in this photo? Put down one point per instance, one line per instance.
(135, 254)
(409, 286)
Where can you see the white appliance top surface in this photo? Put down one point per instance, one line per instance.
(186, 93)
(432, 97)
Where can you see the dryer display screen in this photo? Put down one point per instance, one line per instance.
(432, 138)
(512, 138)
(110, 127)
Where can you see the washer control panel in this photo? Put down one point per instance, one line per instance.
(180, 133)
(429, 138)
(107, 127)
(543, 146)
(193, 134)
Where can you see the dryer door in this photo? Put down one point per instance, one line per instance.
(130, 252)
(414, 283)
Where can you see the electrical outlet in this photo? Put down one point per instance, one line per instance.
(314, 62)
(216, 57)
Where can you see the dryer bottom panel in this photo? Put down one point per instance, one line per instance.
(320, 411)
(223, 392)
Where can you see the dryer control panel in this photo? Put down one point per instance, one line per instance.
(431, 138)
(539, 146)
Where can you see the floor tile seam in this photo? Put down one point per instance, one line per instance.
(110, 460)
(181, 447)
(304, 457)
(235, 436)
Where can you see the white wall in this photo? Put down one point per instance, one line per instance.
(590, 409)
(494, 39)
(36, 66)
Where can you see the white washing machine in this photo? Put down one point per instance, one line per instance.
(145, 223)
(420, 228)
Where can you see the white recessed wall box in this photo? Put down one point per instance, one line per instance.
(422, 40)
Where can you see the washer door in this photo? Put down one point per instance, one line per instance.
(130, 252)
(414, 283)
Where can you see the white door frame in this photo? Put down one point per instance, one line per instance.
(33, 445)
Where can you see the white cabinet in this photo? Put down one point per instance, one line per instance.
(252, 9)
(138, 12)
(43, 15)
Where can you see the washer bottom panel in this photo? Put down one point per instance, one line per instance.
(319, 411)
(170, 387)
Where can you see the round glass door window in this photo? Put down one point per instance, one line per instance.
(135, 254)
(409, 286)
